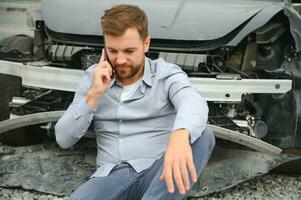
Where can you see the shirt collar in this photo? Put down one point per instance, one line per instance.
(147, 75)
(114, 82)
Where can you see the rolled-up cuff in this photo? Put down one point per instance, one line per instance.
(83, 109)
(195, 132)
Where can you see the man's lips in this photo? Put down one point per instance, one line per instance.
(121, 66)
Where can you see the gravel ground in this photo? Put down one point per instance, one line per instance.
(270, 186)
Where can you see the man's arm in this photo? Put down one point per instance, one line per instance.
(77, 119)
(190, 122)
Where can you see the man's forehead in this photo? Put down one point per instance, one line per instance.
(123, 44)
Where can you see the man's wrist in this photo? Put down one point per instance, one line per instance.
(182, 132)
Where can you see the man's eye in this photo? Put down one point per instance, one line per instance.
(129, 51)
(112, 51)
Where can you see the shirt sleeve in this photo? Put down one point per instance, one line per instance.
(192, 109)
(77, 118)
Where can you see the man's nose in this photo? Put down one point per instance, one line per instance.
(121, 59)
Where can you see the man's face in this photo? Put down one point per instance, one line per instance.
(126, 54)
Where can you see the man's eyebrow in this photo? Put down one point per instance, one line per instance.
(111, 48)
(131, 49)
(126, 49)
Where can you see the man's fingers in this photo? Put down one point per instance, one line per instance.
(162, 177)
(102, 56)
(103, 63)
(106, 75)
(168, 179)
(192, 170)
(107, 64)
(105, 67)
(185, 175)
(108, 78)
(178, 178)
(103, 73)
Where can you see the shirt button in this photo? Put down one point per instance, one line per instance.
(120, 120)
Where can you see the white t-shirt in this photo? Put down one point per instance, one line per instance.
(128, 90)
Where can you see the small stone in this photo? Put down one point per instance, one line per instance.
(228, 196)
(44, 197)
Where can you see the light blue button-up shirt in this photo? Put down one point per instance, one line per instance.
(136, 130)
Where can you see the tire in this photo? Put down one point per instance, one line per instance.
(11, 86)
(5, 96)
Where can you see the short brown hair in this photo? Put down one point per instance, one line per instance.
(118, 19)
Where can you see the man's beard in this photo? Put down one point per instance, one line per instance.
(131, 71)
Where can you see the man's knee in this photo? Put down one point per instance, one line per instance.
(209, 137)
(205, 143)
(78, 195)
(85, 191)
(202, 149)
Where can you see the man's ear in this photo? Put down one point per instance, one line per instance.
(146, 43)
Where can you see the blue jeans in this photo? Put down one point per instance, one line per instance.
(124, 183)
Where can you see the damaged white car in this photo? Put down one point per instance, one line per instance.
(244, 57)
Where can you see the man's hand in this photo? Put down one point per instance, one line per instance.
(101, 81)
(178, 161)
